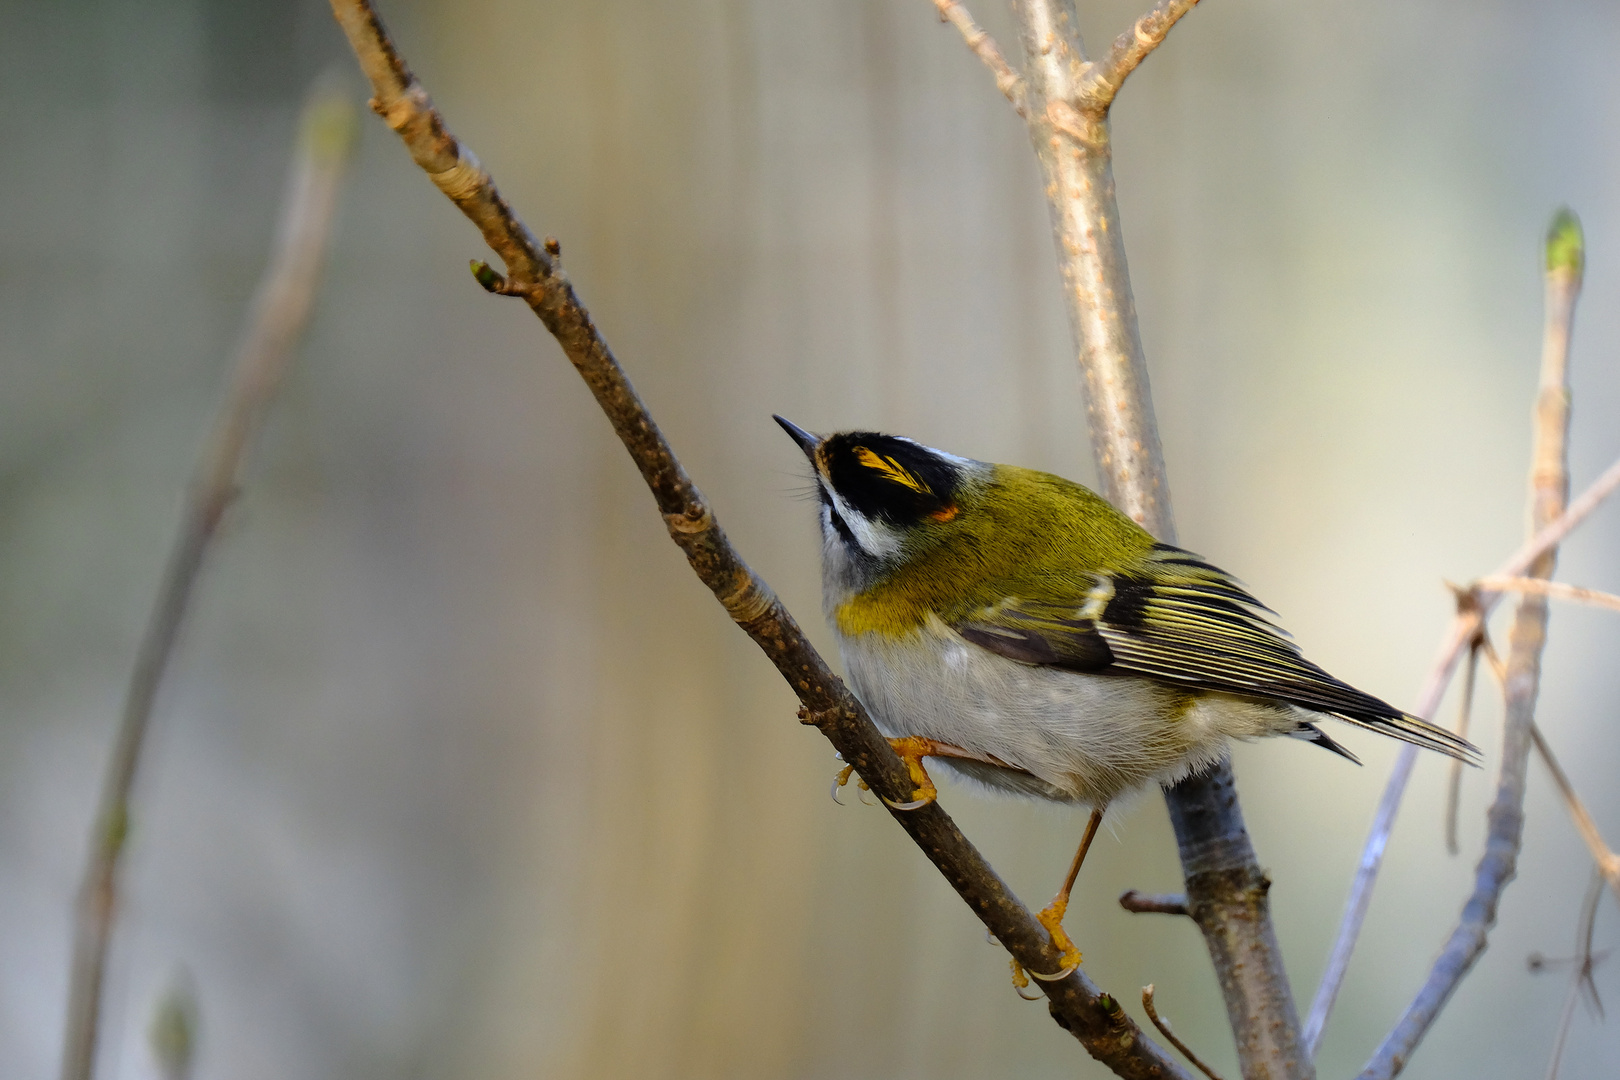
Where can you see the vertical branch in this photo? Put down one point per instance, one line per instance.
(1549, 492)
(1066, 103)
(280, 311)
(1071, 140)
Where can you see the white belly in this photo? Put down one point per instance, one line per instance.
(1079, 738)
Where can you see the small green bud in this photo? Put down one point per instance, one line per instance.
(173, 1032)
(1566, 245)
(486, 275)
(329, 126)
(115, 830)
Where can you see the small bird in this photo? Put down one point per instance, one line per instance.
(1016, 627)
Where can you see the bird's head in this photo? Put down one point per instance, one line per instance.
(882, 496)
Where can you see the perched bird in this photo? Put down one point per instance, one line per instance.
(1019, 629)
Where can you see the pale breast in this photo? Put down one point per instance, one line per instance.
(1079, 738)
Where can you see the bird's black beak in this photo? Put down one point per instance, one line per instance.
(807, 442)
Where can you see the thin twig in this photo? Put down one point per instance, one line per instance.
(1585, 962)
(1104, 78)
(1549, 492)
(280, 312)
(1068, 126)
(1606, 861)
(1164, 1029)
(1465, 708)
(1555, 590)
(1464, 628)
(1155, 903)
(1554, 532)
(1093, 1017)
(982, 45)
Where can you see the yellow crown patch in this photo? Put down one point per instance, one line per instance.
(891, 469)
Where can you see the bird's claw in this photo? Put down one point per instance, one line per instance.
(1021, 983)
(840, 780)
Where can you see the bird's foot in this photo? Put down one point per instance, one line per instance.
(1050, 917)
(912, 749)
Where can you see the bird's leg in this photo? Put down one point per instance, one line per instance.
(1051, 916)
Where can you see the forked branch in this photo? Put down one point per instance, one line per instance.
(1104, 78)
(532, 273)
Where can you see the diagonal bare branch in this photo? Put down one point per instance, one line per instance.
(1549, 492)
(1104, 78)
(1095, 1018)
(280, 312)
(982, 45)
(1164, 1029)
(1555, 590)
(1607, 862)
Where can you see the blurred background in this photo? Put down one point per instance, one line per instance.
(459, 772)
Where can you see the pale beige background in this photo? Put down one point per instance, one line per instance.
(460, 773)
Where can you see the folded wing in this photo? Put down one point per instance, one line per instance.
(1182, 621)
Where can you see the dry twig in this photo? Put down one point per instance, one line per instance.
(1155, 903)
(1585, 962)
(982, 45)
(1465, 708)
(280, 311)
(1606, 861)
(1093, 1017)
(1164, 1029)
(1549, 486)
(1555, 590)
(1103, 79)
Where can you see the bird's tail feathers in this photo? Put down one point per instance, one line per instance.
(1419, 732)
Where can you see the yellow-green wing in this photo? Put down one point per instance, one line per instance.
(1180, 620)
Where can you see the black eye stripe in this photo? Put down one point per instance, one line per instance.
(842, 527)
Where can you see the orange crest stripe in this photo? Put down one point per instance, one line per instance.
(891, 469)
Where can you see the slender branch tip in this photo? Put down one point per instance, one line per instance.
(1566, 245)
